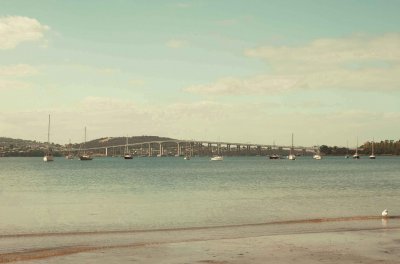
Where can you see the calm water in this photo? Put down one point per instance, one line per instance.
(149, 193)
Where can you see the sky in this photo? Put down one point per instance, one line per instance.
(219, 70)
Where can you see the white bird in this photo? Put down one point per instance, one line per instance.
(385, 213)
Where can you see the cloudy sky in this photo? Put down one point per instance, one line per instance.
(243, 71)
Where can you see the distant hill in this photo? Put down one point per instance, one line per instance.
(20, 147)
(11, 143)
(10, 147)
(113, 141)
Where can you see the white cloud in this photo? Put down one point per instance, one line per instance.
(10, 76)
(203, 120)
(355, 63)
(333, 51)
(7, 85)
(108, 71)
(137, 82)
(18, 70)
(175, 43)
(255, 85)
(17, 29)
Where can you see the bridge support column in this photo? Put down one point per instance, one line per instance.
(150, 154)
(198, 146)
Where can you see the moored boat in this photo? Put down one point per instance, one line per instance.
(85, 156)
(69, 156)
(291, 154)
(48, 156)
(127, 154)
(317, 154)
(372, 156)
(217, 158)
(317, 157)
(356, 156)
(274, 156)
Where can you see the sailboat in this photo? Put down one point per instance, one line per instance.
(127, 155)
(187, 153)
(69, 155)
(217, 157)
(317, 154)
(356, 156)
(85, 156)
(49, 154)
(274, 155)
(347, 151)
(372, 156)
(291, 155)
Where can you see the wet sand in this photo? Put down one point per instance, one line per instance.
(349, 240)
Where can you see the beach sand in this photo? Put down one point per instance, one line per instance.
(310, 243)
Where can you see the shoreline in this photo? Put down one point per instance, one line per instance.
(283, 222)
(117, 245)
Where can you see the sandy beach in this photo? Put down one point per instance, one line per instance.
(346, 241)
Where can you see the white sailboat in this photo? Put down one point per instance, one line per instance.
(347, 151)
(127, 154)
(49, 154)
(372, 156)
(217, 157)
(69, 155)
(317, 154)
(356, 156)
(85, 156)
(188, 151)
(291, 155)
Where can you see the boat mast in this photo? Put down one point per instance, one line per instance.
(373, 141)
(357, 147)
(84, 144)
(48, 133)
(291, 149)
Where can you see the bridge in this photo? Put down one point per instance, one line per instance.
(194, 148)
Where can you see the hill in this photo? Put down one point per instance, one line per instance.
(10, 147)
(114, 141)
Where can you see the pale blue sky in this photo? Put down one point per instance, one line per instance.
(243, 71)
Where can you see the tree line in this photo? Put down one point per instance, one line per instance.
(386, 147)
